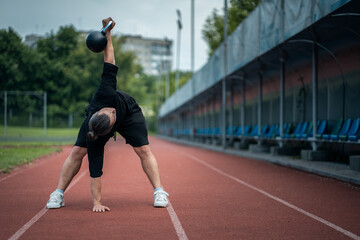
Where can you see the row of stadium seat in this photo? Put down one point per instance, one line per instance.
(347, 130)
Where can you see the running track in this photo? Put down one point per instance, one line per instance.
(213, 196)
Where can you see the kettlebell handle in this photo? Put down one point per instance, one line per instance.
(106, 27)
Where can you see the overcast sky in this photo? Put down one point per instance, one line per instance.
(149, 18)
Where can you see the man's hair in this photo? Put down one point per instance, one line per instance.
(99, 125)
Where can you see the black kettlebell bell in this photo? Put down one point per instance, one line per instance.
(96, 41)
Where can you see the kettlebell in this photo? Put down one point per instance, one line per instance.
(96, 41)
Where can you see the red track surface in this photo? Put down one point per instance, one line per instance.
(214, 195)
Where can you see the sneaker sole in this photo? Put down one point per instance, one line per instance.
(161, 205)
(55, 207)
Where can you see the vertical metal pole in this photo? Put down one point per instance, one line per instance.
(192, 35)
(243, 99)
(231, 113)
(294, 106)
(223, 122)
(45, 113)
(282, 95)
(315, 88)
(167, 85)
(5, 113)
(213, 118)
(192, 68)
(328, 99)
(259, 103)
(178, 50)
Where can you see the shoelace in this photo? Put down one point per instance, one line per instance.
(161, 195)
(53, 198)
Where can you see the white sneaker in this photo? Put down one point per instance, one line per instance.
(56, 200)
(160, 198)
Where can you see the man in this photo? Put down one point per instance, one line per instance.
(109, 111)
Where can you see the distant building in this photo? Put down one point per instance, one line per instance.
(32, 39)
(153, 54)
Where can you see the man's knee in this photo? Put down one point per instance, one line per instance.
(143, 151)
(78, 153)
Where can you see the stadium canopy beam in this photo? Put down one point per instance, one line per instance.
(213, 116)
(315, 90)
(260, 102)
(243, 112)
(282, 94)
(231, 113)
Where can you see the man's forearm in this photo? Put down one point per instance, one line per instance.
(109, 55)
(95, 186)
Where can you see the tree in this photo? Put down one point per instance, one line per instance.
(213, 29)
(62, 65)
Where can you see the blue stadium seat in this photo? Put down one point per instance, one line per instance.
(286, 129)
(296, 131)
(272, 131)
(238, 131)
(343, 131)
(228, 131)
(216, 131)
(232, 132)
(264, 130)
(187, 132)
(321, 129)
(254, 131)
(309, 131)
(353, 132)
(302, 131)
(208, 132)
(335, 130)
(247, 130)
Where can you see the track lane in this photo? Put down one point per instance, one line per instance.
(125, 190)
(208, 204)
(327, 198)
(24, 194)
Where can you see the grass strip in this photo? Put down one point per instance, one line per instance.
(35, 144)
(10, 157)
(39, 132)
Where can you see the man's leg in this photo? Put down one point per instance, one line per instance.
(69, 169)
(149, 164)
(71, 166)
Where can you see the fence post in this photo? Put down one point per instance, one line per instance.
(45, 112)
(5, 113)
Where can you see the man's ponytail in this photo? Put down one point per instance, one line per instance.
(99, 125)
(92, 136)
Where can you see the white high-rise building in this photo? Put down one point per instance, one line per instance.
(154, 55)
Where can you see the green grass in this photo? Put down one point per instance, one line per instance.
(10, 157)
(38, 132)
(35, 144)
(24, 144)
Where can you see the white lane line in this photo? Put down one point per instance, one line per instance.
(27, 225)
(176, 222)
(327, 223)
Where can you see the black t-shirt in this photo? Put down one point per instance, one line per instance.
(105, 96)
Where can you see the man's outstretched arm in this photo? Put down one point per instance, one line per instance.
(109, 55)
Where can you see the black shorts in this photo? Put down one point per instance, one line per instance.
(132, 128)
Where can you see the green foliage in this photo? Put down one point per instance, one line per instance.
(62, 65)
(213, 29)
